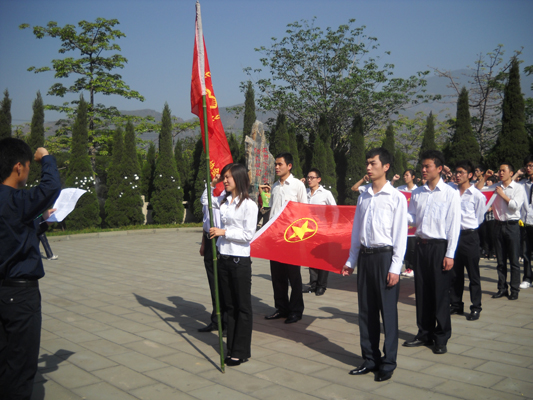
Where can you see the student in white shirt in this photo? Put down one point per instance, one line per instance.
(237, 218)
(435, 211)
(317, 194)
(288, 188)
(507, 205)
(379, 238)
(527, 218)
(467, 254)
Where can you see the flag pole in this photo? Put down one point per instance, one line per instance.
(200, 44)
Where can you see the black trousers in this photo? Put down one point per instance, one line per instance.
(376, 298)
(410, 255)
(236, 285)
(208, 263)
(282, 276)
(527, 245)
(432, 291)
(466, 256)
(490, 239)
(46, 245)
(318, 278)
(263, 217)
(20, 337)
(508, 247)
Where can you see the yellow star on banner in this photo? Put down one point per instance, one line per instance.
(301, 231)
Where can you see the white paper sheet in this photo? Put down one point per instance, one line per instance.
(65, 204)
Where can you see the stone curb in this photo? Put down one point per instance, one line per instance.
(99, 235)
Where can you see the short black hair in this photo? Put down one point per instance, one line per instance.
(287, 157)
(411, 171)
(12, 152)
(384, 156)
(466, 165)
(481, 167)
(509, 165)
(528, 159)
(316, 171)
(435, 155)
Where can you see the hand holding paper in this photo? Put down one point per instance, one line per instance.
(65, 204)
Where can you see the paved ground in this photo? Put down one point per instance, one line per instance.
(121, 313)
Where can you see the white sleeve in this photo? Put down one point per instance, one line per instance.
(399, 235)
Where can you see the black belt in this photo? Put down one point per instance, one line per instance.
(511, 222)
(374, 250)
(19, 283)
(467, 231)
(431, 241)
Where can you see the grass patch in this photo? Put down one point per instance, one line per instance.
(59, 232)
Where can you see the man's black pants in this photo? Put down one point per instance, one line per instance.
(283, 275)
(508, 247)
(527, 244)
(466, 256)
(432, 291)
(318, 278)
(376, 298)
(208, 262)
(20, 337)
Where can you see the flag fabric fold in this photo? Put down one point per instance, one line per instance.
(309, 235)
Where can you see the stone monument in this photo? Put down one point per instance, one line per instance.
(259, 161)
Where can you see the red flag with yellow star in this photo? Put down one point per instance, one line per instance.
(309, 235)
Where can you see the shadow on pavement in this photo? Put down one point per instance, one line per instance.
(51, 363)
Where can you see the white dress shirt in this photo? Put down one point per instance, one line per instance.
(291, 190)
(380, 220)
(205, 210)
(511, 211)
(436, 214)
(527, 208)
(321, 196)
(405, 188)
(473, 207)
(240, 224)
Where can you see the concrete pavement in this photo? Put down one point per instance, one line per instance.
(121, 312)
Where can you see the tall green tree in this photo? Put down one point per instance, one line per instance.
(512, 144)
(355, 163)
(182, 164)
(279, 137)
(113, 216)
(463, 144)
(323, 157)
(199, 166)
(93, 68)
(293, 144)
(5, 116)
(234, 147)
(147, 173)
(389, 144)
(249, 115)
(167, 199)
(36, 138)
(80, 175)
(428, 141)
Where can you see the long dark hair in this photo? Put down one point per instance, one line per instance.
(242, 182)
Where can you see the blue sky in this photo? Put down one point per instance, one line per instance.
(160, 36)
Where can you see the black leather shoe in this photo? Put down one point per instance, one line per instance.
(417, 343)
(382, 376)
(276, 315)
(440, 349)
(360, 371)
(293, 318)
(474, 315)
(309, 290)
(456, 311)
(513, 296)
(233, 363)
(320, 291)
(501, 293)
(209, 328)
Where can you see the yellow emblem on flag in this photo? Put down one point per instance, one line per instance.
(301, 229)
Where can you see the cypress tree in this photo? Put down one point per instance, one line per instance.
(249, 117)
(183, 167)
(279, 138)
(130, 202)
(463, 144)
(80, 175)
(167, 199)
(356, 163)
(147, 173)
(36, 138)
(234, 147)
(199, 167)
(326, 162)
(293, 143)
(512, 144)
(114, 218)
(5, 116)
(390, 145)
(428, 141)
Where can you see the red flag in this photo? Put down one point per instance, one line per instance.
(310, 235)
(411, 229)
(489, 195)
(201, 85)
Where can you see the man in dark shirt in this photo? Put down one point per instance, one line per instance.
(20, 263)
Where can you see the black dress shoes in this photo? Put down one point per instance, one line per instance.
(309, 290)
(276, 315)
(230, 362)
(440, 349)
(209, 328)
(513, 296)
(320, 291)
(293, 318)
(501, 293)
(382, 376)
(417, 343)
(474, 315)
(360, 371)
(456, 311)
